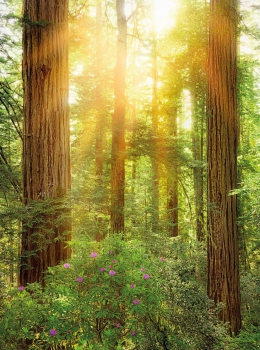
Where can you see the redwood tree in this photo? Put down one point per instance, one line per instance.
(155, 142)
(99, 142)
(118, 125)
(172, 179)
(222, 142)
(46, 145)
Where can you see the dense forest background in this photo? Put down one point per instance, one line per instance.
(129, 174)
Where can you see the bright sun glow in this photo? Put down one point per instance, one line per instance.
(165, 13)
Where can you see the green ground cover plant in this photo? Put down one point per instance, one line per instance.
(114, 295)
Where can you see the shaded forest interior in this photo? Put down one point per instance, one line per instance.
(129, 174)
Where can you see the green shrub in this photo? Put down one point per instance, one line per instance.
(112, 295)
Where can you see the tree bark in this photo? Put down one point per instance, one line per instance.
(99, 142)
(222, 141)
(197, 132)
(118, 125)
(173, 188)
(46, 145)
(155, 215)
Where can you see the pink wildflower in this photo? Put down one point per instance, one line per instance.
(93, 255)
(53, 332)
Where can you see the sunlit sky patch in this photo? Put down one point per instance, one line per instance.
(165, 13)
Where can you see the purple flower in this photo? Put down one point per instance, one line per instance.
(112, 272)
(143, 269)
(93, 255)
(21, 288)
(163, 259)
(114, 261)
(132, 285)
(102, 269)
(136, 302)
(53, 332)
(134, 333)
(110, 252)
(80, 279)
(146, 276)
(117, 325)
(67, 266)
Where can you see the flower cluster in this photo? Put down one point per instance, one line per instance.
(109, 269)
(53, 332)
(93, 255)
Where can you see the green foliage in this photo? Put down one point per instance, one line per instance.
(43, 23)
(10, 142)
(148, 302)
(247, 339)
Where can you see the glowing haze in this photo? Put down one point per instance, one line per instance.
(165, 13)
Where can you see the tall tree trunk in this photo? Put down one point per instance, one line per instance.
(99, 142)
(173, 188)
(46, 145)
(99, 132)
(222, 141)
(118, 125)
(197, 132)
(155, 155)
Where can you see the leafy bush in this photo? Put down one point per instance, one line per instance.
(112, 295)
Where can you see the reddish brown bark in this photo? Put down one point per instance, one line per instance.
(99, 142)
(118, 126)
(46, 145)
(222, 141)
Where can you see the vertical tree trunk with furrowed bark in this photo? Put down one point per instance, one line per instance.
(155, 216)
(46, 145)
(222, 142)
(172, 181)
(99, 142)
(118, 125)
(197, 132)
